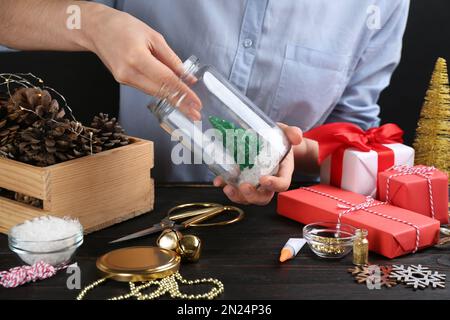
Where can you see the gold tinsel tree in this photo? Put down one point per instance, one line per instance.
(432, 143)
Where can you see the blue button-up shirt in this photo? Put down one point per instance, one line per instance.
(304, 62)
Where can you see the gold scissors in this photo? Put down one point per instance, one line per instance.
(201, 211)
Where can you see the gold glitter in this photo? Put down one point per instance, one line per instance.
(329, 246)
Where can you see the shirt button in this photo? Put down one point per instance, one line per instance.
(248, 43)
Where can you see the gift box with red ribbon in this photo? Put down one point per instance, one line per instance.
(393, 231)
(351, 158)
(420, 189)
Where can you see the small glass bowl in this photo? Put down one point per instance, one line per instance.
(329, 240)
(55, 252)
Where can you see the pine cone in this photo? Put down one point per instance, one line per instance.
(45, 136)
(8, 140)
(28, 200)
(22, 110)
(8, 130)
(47, 142)
(27, 105)
(34, 130)
(109, 132)
(89, 141)
(7, 134)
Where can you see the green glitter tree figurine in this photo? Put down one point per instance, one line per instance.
(244, 140)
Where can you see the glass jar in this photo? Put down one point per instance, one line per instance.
(361, 248)
(234, 138)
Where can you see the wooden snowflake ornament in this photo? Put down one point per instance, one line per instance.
(365, 274)
(385, 277)
(360, 273)
(417, 276)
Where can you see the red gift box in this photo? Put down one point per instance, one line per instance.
(393, 231)
(420, 189)
(351, 158)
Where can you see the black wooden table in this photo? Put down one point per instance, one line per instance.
(244, 256)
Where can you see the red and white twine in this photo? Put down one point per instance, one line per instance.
(365, 206)
(404, 170)
(369, 203)
(18, 276)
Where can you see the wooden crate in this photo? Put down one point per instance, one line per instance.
(100, 189)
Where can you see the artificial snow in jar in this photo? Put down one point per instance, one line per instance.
(234, 138)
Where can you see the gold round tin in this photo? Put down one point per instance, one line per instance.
(138, 264)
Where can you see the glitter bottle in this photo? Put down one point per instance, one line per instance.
(361, 248)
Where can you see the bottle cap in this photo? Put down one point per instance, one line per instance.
(361, 233)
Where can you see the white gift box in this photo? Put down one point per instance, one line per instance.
(360, 169)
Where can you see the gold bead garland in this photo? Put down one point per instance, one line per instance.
(166, 285)
(90, 287)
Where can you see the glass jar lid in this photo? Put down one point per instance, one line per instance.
(142, 263)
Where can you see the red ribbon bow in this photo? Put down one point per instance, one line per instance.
(334, 138)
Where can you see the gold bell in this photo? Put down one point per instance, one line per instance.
(190, 247)
(169, 239)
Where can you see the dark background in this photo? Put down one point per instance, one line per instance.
(90, 89)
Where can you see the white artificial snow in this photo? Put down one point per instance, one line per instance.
(266, 164)
(49, 239)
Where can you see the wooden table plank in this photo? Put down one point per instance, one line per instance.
(244, 256)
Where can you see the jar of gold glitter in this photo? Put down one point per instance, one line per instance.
(329, 239)
(361, 248)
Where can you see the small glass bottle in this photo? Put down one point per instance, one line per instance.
(361, 248)
(234, 137)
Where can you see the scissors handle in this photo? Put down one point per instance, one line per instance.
(212, 212)
(187, 214)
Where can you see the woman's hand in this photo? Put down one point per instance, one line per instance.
(248, 194)
(139, 56)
